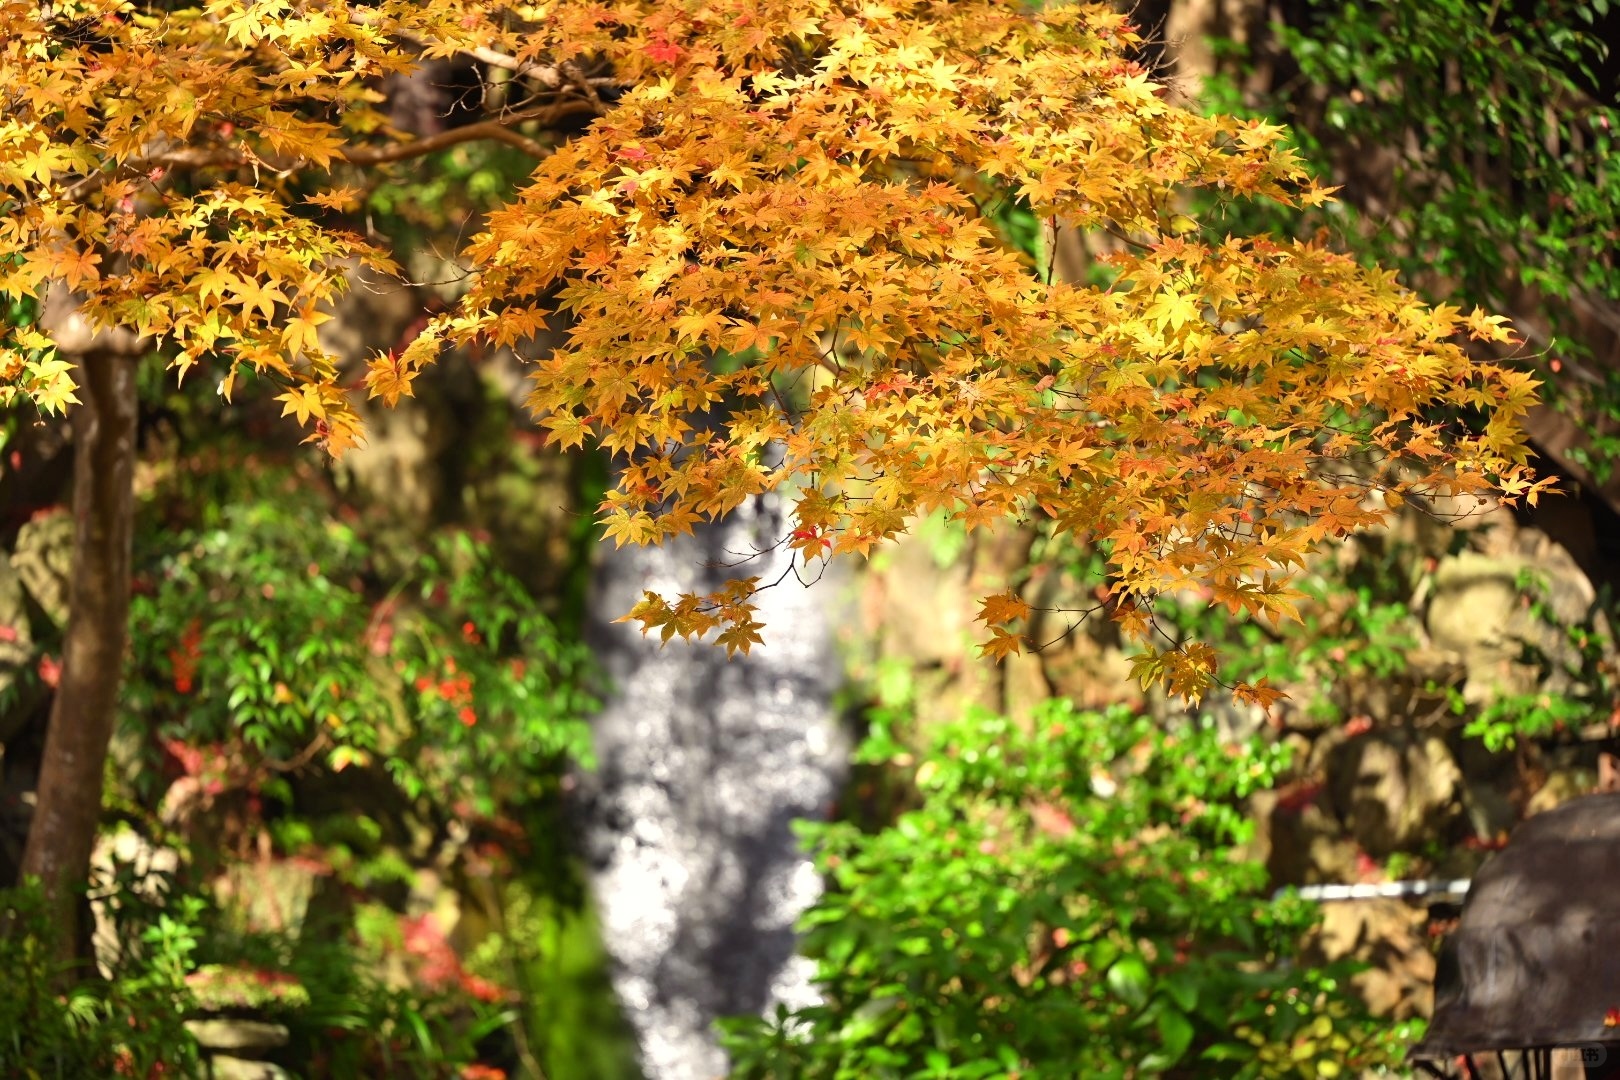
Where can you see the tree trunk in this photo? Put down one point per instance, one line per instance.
(67, 811)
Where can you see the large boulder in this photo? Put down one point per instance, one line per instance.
(1389, 937)
(238, 1035)
(1298, 838)
(1505, 614)
(1535, 959)
(1395, 790)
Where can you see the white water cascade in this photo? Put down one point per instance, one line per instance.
(703, 764)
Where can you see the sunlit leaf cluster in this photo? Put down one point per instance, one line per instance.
(774, 262)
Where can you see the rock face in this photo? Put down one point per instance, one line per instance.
(237, 1034)
(703, 765)
(1387, 936)
(229, 1045)
(1395, 789)
(226, 1067)
(1504, 613)
(43, 561)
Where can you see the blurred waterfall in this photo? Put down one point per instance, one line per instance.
(703, 764)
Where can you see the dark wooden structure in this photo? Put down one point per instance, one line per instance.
(1534, 965)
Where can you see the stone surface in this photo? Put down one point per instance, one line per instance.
(226, 1067)
(919, 604)
(43, 561)
(1504, 614)
(400, 461)
(1395, 790)
(1535, 958)
(1300, 844)
(1489, 806)
(269, 896)
(125, 853)
(1389, 936)
(237, 1034)
(1560, 786)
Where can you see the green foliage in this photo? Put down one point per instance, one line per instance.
(1066, 901)
(276, 628)
(328, 987)
(945, 538)
(553, 953)
(441, 194)
(305, 686)
(361, 1024)
(1346, 632)
(127, 1025)
(1506, 182)
(219, 988)
(1506, 719)
(1352, 626)
(1478, 157)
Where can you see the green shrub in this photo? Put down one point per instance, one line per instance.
(127, 1025)
(281, 629)
(306, 686)
(1066, 901)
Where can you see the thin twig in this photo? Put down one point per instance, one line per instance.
(300, 759)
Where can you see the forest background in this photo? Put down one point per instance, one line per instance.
(337, 796)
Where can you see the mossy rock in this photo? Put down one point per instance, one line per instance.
(221, 989)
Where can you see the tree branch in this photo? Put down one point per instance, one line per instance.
(549, 76)
(546, 75)
(497, 129)
(500, 129)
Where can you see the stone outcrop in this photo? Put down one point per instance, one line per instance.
(231, 1048)
(1389, 937)
(1395, 790)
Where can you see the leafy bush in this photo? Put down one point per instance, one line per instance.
(1066, 901)
(1509, 181)
(126, 1025)
(1347, 633)
(278, 645)
(281, 629)
(359, 1023)
(1474, 140)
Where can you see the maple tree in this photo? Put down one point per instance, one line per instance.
(767, 230)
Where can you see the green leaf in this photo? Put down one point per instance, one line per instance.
(1228, 1051)
(1182, 989)
(1176, 1033)
(1130, 980)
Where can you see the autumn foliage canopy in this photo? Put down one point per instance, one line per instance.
(760, 253)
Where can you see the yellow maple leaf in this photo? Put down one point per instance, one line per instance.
(342, 199)
(739, 637)
(1002, 608)
(304, 402)
(1002, 644)
(387, 377)
(257, 295)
